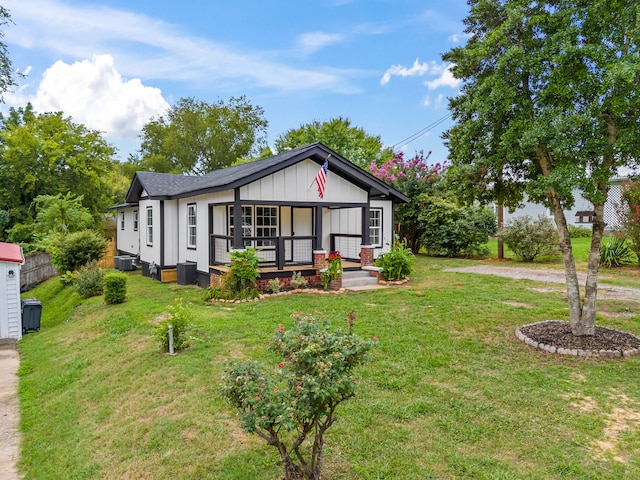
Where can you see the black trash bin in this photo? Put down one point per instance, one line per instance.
(31, 313)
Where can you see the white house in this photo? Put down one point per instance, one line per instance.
(11, 259)
(581, 214)
(179, 223)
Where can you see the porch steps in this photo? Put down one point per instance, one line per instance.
(358, 280)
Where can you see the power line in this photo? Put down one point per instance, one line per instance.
(420, 133)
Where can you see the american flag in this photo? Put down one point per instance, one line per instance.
(321, 178)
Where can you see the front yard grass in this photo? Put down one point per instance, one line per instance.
(450, 394)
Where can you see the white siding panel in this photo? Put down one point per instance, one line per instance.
(296, 184)
(128, 240)
(172, 234)
(10, 314)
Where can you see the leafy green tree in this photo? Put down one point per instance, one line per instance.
(352, 143)
(549, 103)
(48, 154)
(196, 137)
(72, 251)
(61, 214)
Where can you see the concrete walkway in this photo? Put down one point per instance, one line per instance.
(9, 439)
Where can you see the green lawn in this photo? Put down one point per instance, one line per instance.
(450, 394)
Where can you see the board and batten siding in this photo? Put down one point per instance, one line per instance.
(172, 236)
(387, 225)
(150, 253)
(10, 307)
(128, 239)
(296, 184)
(200, 254)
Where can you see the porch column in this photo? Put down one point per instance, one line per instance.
(318, 227)
(365, 224)
(237, 220)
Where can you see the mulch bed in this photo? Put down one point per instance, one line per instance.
(558, 334)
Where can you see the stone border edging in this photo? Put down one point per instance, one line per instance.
(575, 352)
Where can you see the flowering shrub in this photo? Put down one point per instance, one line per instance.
(314, 376)
(412, 177)
(629, 215)
(397, 263)
(333, 270)
(528, 238)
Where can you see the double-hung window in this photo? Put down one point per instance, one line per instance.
(149, 226)
(191, 225)
(375, 227)
(266, 225)
(122, 221)
(135, 220)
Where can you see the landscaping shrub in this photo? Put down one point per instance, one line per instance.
(88, 280)
(70, 252)
(579, 232)
(451, 230)
(315, 376)
(180, 319)
(115, 287)
(528, 238)
(274, 285)
(616, 252)
(298, 281)
(397, 263)
(243, 271)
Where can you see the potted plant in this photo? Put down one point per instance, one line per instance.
(331, 275)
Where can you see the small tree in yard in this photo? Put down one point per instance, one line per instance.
(315, 376)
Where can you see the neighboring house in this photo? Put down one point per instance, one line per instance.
(581, 214)
(11, 259)
(178, 223)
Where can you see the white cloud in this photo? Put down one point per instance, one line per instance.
(149, 48)
(93, 93)
(446, 79)
(312, 42)
(417, 69)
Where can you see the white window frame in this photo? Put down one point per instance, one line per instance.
(375, 230)
(121, 220)
(150, 226)
(192, 225)
(135, 220)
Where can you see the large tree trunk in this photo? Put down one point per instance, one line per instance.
(587, 324)
(570, 273)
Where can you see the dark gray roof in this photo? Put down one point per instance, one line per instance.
(169, 186)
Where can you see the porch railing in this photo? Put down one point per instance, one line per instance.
(275, 252)
(347, 244)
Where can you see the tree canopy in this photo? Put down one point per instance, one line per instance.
(549, 103)
(353, 143)
(6, 70)
(48, 154)
(196, 137)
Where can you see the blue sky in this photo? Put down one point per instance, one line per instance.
(112, 65)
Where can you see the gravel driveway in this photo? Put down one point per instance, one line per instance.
(9, 440)
(550, 276)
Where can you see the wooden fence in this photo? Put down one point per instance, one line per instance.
(37, 267)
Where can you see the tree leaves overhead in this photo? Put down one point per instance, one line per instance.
(352, 143)
(49, 155)
(6, 70)
(549, 104)
(195, 137)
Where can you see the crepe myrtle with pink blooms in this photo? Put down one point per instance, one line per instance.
(414, 177)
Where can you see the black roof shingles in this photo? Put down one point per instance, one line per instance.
(166, 185)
